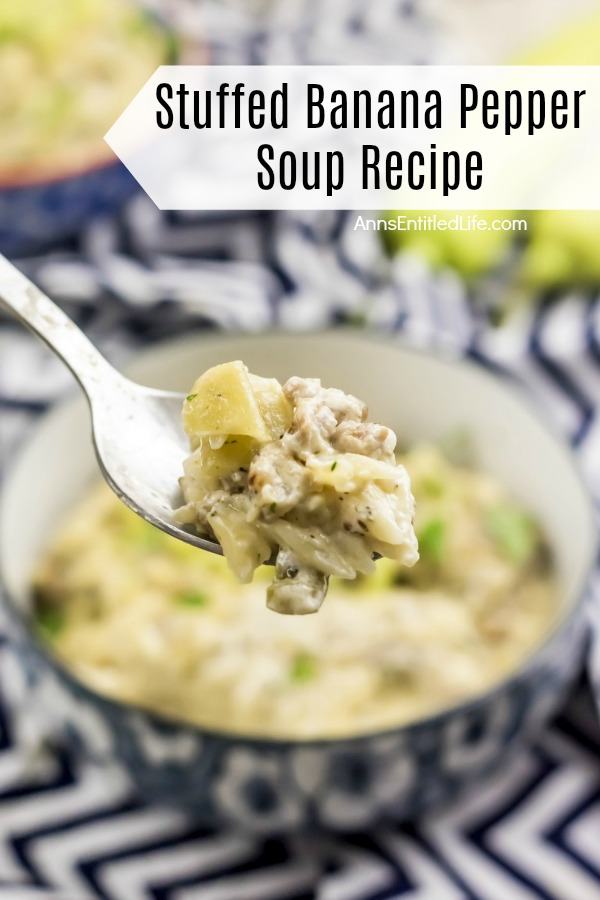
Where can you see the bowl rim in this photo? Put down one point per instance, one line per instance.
(31, 177)
(22, 179)
(448, 354)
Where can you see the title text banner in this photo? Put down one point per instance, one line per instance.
(365, 137)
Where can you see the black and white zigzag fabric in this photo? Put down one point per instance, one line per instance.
(70, 831)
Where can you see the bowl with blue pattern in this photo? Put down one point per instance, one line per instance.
(36, 214)
(56, 172)
(266, 785)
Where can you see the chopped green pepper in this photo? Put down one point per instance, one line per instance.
(431, 539)
(512, 531)
(431, 486)
(192, 598)
(50, 620)
(303, 668)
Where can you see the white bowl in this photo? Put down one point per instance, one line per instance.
(423, 397)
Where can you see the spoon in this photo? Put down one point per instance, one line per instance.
(137, 432)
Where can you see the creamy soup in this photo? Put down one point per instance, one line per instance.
(68, 68)
(150, 620)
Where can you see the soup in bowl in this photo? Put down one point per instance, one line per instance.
(147, 619)
(405, 688)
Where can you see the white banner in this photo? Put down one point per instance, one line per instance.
(365, 137)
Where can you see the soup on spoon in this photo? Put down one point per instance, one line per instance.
(295, 472)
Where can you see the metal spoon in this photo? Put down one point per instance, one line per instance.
(137, 432)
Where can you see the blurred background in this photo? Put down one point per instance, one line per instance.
(74, 221)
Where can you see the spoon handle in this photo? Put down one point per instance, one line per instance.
(35, 310)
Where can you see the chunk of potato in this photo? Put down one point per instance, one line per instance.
(208, 463)
(244, 547)
(227, 400)
(206, 466)
(222, 402)
(274, 406)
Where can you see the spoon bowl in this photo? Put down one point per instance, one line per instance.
(137, 431)
(143, 460)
